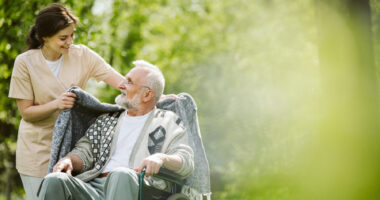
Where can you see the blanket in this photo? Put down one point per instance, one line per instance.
(72, 124)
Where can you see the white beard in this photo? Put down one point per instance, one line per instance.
(124, 102)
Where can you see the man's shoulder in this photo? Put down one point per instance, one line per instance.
(168, 117)
(109, 116)
(165, 114)
(103, 123)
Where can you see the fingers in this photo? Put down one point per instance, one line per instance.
(58, 167)
(140, 168)
(64, 165)
(70, 94)
(69, 97)
(69, 170)
(152, 165)
(174, 96)
(66, 100)
(163, 97)
(66, 105)
(151, 170)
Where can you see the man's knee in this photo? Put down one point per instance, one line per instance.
(123, 172)
(55, 178)
(52, 185)
(121, 183)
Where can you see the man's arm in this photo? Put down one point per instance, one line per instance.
(69, 164)
(78, 160)
(178, 156)
(153, 163)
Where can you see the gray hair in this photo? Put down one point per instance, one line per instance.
(154, 80)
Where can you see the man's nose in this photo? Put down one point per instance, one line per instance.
(121, 86)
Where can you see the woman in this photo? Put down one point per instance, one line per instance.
(40, 77)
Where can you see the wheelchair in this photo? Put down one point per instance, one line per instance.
(147, 192)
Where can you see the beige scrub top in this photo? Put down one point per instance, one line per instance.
(33, 80)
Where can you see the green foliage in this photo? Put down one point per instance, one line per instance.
(252, 67)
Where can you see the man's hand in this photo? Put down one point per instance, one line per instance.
(152, 164)
(65, 164)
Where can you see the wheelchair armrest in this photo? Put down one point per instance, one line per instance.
(170, 176)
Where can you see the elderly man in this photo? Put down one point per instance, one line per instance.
(119, 145)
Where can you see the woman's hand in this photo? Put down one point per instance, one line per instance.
(167, 96)
(66, 100)
(31, 112)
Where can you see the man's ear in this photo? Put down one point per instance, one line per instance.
(148, 95)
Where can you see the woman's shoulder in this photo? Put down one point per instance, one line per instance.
(79, 50)
(27, 54)
(79, 47)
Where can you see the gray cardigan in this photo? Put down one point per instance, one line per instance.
(163, 132)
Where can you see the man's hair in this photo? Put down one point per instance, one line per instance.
(154, 79)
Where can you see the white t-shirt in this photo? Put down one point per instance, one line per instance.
(130, 130)
(55, 66)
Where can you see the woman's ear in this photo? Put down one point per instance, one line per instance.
(44, 39)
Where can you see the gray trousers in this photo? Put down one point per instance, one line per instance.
(119, 184)
(31, 185)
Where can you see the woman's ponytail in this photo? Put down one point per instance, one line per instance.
(33, 40)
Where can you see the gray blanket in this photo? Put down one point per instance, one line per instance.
(72, 124)
(184, 106)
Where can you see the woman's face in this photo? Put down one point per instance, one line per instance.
(61, 41)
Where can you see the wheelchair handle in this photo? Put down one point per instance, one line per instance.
(141, 182)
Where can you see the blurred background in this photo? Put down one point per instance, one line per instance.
(287, 90)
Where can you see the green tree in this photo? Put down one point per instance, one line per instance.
(262, 74)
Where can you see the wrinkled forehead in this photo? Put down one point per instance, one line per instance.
(137, 75)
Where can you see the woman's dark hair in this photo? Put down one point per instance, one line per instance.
(49, 21)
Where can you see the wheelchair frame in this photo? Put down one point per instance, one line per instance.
(156, 194)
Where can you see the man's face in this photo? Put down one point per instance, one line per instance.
(131, 89)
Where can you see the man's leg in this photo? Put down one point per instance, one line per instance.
(123, 183)
(60, 186)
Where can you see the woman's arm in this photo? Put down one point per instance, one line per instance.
(114, 80)
(32, 113)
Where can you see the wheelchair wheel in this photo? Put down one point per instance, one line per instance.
(178, 197)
